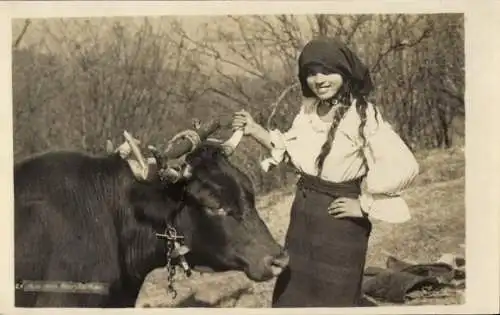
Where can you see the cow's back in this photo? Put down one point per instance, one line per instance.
(64, 226)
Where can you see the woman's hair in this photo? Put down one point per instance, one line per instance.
(345, 100)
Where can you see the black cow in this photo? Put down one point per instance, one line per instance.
(88, 219)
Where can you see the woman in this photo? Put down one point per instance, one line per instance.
(353, 167)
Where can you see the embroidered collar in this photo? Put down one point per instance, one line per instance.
(315, 120)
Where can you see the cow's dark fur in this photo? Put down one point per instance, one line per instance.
(83, 218)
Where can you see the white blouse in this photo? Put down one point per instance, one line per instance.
(390, 165)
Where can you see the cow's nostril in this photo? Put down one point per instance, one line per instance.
(281, 261)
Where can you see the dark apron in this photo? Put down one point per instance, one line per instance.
(327, 255)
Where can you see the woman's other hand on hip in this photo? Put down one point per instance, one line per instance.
(346, 208)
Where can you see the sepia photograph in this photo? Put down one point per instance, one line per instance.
(239, 160)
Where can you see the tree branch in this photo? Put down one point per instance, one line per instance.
(212, 52)
(23, 32)
(400, 45)
(278, 101)
(226, 95)
(455, 96)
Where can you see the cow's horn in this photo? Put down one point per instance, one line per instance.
(142, 168)
(135, 149)
(230, 144)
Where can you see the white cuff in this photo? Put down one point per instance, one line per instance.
(366, 201)
(266, 164)
(277, 152)
(390, 209)
(387, 207)
(278, 143)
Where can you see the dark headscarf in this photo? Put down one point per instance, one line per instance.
(338, 58)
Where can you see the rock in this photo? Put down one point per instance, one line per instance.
(199, 290)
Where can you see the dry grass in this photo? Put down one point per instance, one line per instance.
(437, 227)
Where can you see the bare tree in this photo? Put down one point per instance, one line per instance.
(85, 80)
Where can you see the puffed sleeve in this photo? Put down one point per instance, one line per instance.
(392, 168)
(279, 141)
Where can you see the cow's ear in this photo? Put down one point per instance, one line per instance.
(109, 147)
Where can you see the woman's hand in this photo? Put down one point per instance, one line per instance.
(346, 207)
(243, 120)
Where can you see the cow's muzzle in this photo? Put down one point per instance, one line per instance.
(267, 267)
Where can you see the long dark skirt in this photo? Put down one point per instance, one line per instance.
(327, 255)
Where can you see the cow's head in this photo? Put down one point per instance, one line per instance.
(215, 208)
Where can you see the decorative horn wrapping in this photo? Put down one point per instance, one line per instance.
(182, 145)
(170, 161)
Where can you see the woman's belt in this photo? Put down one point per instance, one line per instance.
(349, 188)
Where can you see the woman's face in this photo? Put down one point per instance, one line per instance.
(325, 85)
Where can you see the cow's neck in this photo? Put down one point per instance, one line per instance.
(142, 250)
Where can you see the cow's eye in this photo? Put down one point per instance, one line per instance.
(208, 200)
(220, 212)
